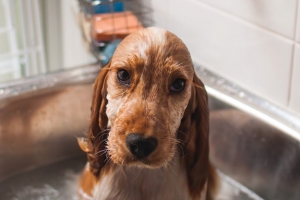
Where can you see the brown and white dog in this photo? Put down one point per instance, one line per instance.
(148, 134)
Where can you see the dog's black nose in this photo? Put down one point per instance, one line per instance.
(140, 146)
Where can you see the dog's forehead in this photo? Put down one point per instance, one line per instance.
(153, 45)
(143, 40)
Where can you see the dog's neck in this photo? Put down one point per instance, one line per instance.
(134, 183)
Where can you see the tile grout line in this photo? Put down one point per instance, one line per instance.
(293, 55)
(245, 21)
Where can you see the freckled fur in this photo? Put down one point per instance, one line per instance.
(154, 58)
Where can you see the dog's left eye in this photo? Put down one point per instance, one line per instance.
(177, 85)
(123, 77)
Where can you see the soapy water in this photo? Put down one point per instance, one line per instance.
(59, 181)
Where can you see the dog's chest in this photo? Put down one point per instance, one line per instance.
(132, 183)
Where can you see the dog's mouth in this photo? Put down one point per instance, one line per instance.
(141, 162)
(145, 152)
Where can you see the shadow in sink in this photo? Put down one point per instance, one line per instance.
(252, 152)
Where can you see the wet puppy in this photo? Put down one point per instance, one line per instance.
(148, 134)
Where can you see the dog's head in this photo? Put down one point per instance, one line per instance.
(154, 103)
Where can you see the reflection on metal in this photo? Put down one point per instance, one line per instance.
(242, 189)
(236, 96)
(24, 86)
(40, 117)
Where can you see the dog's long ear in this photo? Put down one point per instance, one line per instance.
(97, 134)
(194, 130)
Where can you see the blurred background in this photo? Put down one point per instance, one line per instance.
(254, 43)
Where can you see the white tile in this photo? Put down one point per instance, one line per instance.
(5, 43)
(2, 15)
(252, 57)
(298, 24)
(160, 13)
(75, 52)
(295, 90)
(276, 15)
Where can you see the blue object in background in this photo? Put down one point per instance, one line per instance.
(105, 7)
(108, 51)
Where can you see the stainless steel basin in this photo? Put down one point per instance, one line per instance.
(251, 145)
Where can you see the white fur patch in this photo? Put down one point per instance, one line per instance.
(157, 37)
(113, 106)
(142, 50)
(132, 183)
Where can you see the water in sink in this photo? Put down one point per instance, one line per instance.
(59, 182)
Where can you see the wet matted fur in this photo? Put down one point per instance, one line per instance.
(179, 167)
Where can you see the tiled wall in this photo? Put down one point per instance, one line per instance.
(254, 43)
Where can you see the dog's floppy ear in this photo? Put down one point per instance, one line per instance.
(98, 132)
(193, 131)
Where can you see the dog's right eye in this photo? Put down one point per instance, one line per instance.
(123, 77)
(177, 85)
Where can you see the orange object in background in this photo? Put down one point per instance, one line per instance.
(109, 26)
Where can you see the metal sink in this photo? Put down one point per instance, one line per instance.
(254, 144)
